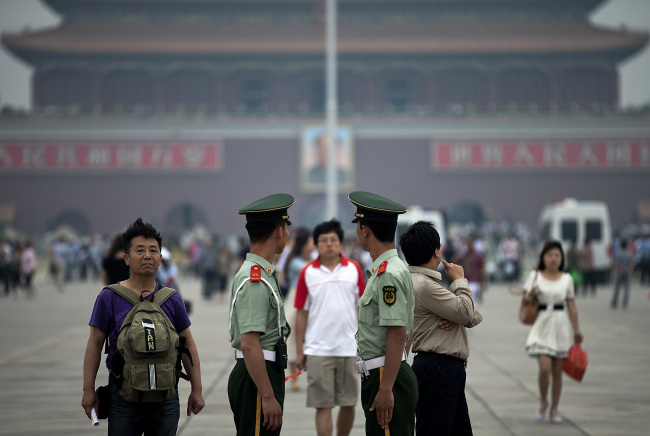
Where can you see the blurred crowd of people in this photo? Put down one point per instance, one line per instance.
(639, 247)
(17, 266)
(495, 252)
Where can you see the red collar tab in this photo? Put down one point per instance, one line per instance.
(256, 273)
(382, 267)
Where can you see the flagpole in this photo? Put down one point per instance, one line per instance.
(331, 106)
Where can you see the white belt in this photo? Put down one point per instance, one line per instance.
(268, 355)
(378, 362)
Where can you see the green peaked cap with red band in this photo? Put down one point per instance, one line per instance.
(373, 207)
(271, 208)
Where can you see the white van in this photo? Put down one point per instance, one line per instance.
(576, 220)
(414, 214)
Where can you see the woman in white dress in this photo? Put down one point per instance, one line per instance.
(551, 336)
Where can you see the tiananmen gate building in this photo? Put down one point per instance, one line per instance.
(181, 111)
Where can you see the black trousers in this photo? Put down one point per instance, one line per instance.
(244, 401)
(442, 407)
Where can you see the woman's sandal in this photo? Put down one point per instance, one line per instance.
(555, 417)
(539, 413)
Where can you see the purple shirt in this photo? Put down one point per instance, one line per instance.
(111, 309)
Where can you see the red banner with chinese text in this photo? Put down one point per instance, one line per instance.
(589, 154)
(109, 156)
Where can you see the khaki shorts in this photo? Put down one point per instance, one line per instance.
(332, 381)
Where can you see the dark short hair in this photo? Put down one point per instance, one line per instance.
(326, 227)
(419, 242)
(260, 232)
(548, 246)
(384, 231)
(139, 228)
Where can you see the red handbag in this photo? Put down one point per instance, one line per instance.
(575, 364)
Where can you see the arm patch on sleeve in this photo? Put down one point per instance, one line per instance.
(390, 295)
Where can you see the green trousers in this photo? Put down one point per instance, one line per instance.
(245, 403)
(405, 394)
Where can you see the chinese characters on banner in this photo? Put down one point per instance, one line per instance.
(583, 154)
(109, 156)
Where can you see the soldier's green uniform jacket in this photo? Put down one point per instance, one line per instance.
(387, 302)
(256, 307)
(255, 310)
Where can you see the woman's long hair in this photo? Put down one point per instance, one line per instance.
(300, 240)
(549, 245)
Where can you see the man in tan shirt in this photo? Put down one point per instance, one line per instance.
(439, 334)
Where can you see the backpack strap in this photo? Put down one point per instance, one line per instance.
(125, 293)
(163, 294)
(160, 296)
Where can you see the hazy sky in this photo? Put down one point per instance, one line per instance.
(15, 76)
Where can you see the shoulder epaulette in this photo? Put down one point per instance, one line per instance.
(382, 267)
(256, 273)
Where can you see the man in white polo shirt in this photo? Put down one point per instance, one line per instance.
(327, 299)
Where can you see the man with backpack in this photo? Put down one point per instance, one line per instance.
(148, 332)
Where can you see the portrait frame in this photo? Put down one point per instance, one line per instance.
(313, 154)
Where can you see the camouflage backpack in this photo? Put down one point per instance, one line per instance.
(147, 364)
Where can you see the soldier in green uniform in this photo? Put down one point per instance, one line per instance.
(389, 389)
(257, 325)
